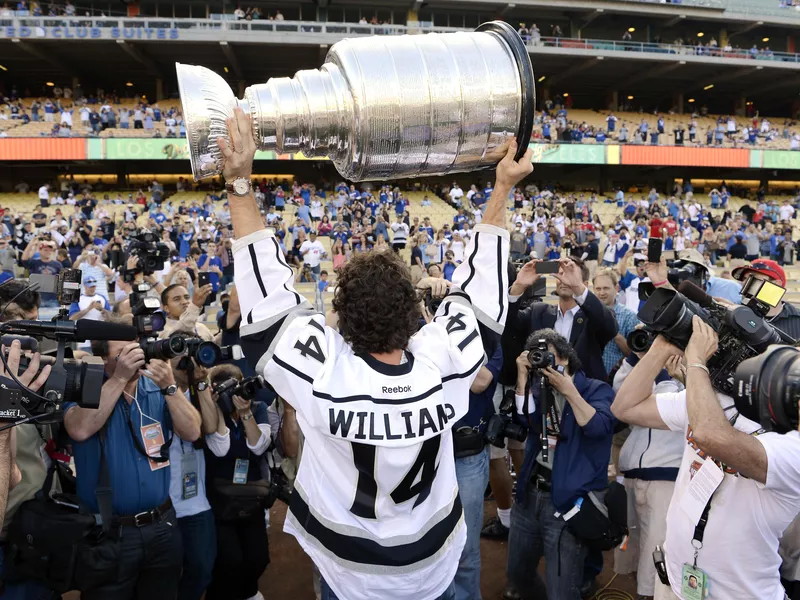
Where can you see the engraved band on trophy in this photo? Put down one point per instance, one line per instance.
(380, 107)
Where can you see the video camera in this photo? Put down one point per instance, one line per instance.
(70, 380)
(245, 389)
(743, 332)
(151, 254)
(66, 285)
(767, 388)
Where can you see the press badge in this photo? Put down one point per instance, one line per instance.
(240, 470)
(693, 585)
(189, 474)
(153, 438)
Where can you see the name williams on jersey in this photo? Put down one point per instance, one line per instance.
(390, 422)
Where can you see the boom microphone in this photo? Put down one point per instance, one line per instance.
(696, 294)
(79, 331)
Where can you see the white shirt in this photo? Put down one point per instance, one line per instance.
(456, 193)
(747, 519)
(787, 212)
(43, 193)
(632, 293)
(457, 246)
(315, 251)
(564, 321)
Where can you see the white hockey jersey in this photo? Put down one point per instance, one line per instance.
(376, 501)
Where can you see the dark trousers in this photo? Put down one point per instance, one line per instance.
(199, 551)
(150, 561)
(242, 556)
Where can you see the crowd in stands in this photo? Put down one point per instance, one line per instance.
(555, 125)
(84, 226)
(76, 115)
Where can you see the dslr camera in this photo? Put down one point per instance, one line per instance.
(245, 389)
(501, 424)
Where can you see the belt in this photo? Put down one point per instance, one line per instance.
(541, 478)
(147, 517)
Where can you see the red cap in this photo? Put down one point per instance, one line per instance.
(768, 268)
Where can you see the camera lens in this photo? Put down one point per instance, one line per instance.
(207, 354)
(667, 312)
(639, 340)
(767, 387)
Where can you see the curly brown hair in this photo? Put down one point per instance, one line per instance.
(376, 303)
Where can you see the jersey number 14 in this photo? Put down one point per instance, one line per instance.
(424, 467)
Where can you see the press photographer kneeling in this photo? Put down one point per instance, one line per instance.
(738, 487)
(237, 488)
(561, 491)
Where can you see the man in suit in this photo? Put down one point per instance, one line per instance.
(579, 316)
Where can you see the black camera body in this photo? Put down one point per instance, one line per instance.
(501, 425)
(245, 389)
(151, 253)
(743, 334)
(541, 358)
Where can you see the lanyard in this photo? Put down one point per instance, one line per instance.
(164, 453)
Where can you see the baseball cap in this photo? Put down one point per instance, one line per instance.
(768, 268)
(89, 281)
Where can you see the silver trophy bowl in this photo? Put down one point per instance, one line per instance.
(380, 107)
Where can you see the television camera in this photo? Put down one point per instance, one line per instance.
(743, 332)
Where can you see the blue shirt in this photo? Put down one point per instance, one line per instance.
(304, 213)
(212, 277)
(725, 288)
(627, 322)
(134, 487)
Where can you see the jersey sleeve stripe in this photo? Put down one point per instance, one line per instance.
(470, 261)
(372, 555)
(471, 370)
(256, 271)
(502, 274)
(286, 366)
(368, 398)
(281, 260)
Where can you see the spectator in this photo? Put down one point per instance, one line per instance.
(90, 263)
(606, 286)
(91, 305)
(313, 252)
(579, 316)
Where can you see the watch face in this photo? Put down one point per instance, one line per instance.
(241, 186)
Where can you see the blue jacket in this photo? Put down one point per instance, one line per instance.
(580, 462)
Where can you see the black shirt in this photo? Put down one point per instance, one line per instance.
(738, 250)
(788, 321)
(679, 133)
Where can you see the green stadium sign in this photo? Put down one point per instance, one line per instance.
(147, 149)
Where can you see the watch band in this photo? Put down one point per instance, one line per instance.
(170, 390)
(246, 417)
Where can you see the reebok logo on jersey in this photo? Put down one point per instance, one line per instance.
(400, 389)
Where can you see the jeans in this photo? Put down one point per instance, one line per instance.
(327, 593)
(150, 561)
(24, 590)
(199, 551)
(535, 533)
(472, 473)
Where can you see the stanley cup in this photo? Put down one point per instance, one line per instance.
(380, 107)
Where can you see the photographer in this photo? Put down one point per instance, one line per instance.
(140, 406)
(236, 490)
(188, 487)
(689, 265)
(784, 316)
(579, 431)
(579, 317)
(723, 527)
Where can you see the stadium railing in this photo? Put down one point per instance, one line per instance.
(216, 29)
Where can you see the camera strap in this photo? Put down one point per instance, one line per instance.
(700, 529)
